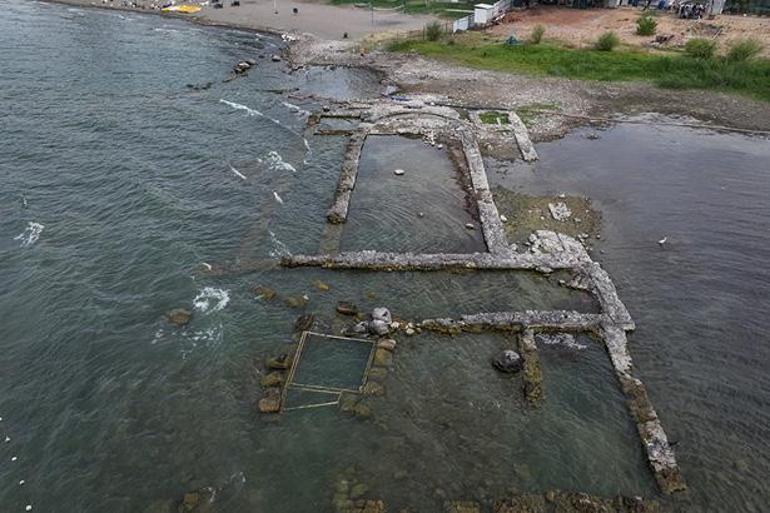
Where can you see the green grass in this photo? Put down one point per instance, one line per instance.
(491, 117)
(444, 9)
(750, 78)
(529, 113)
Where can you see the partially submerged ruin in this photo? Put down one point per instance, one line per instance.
(546, 252)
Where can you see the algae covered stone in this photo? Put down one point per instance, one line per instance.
(383, 358)
(272, 379)
(263, 292)
(347, 308)
(179, 317)
(271, 402)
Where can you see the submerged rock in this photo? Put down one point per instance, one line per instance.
(358, 490)
(378, 373)
(197, 501)
(281, 362)
(265, 293)
(388, 344)
(383, 358)
(179, 317)
(243, 66)
(373, 388)
(508, 361)
(271, 402)
(304, 322)
(463, 507)
(379, 327)
(272, 379)
(323, 287)
(347, 308)
(296, 301)
(359, 328)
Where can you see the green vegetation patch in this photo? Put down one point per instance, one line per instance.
(749, 77)
(491, 117)
(527, 213)
(531, 112)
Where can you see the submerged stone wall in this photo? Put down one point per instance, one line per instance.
(338, 212)
(547, 251)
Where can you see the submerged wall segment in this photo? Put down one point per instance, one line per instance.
(548, 252)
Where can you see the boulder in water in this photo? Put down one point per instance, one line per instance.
(271, 402)
(347, 308)
(179, 316)
(508, 361)
(379, 327)
(383, 358)
(281, 362)
(304, 323)
(263, 292)
(387, 343)
(382, 314)
(273, 379)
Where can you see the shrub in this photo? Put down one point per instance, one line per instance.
(537, 34)
(700, 48)
(607, 41)
(433, 31)
(646, 25)
(743, 50)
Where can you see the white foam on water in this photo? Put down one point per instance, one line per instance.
(277, 198)
(237, 173)
(296, 108)
(274, 160)
(209, 337)
(238, 106)
(279, 248)
(211, 300)
(158, 335)
(31, 234)
(254, 112)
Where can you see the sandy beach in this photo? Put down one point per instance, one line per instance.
(321, 20)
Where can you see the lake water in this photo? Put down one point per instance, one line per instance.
(119, 185)
(699, 302)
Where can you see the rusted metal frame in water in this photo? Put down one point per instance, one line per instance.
(338, 391)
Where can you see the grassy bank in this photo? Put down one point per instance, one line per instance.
(750, 78)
